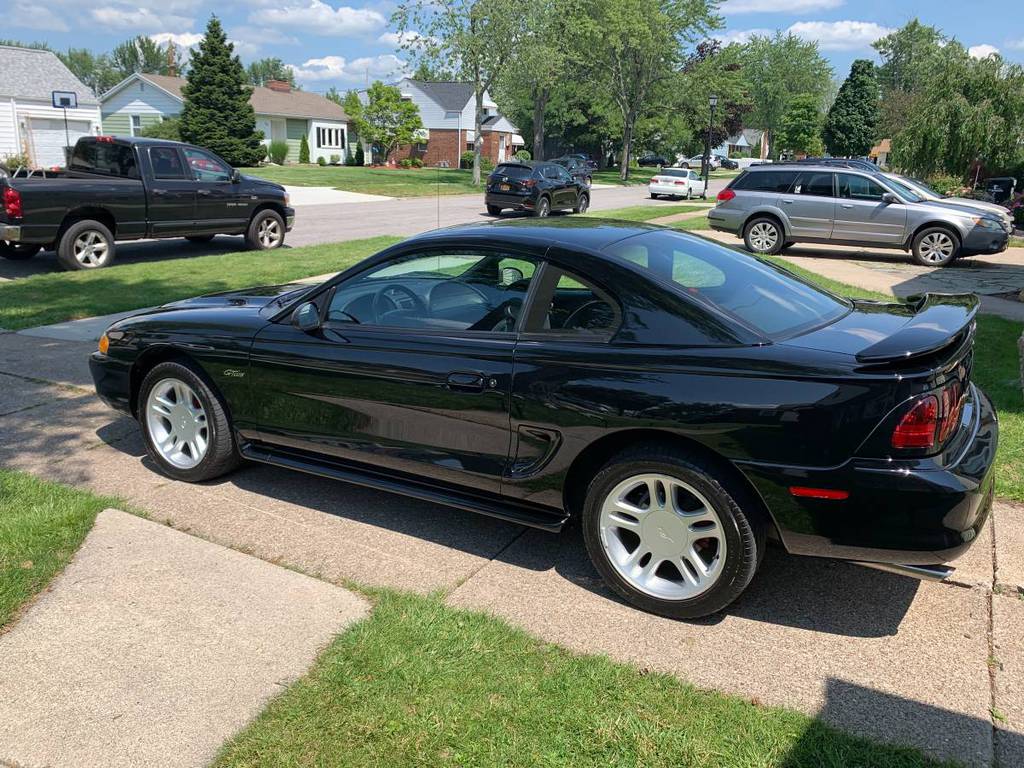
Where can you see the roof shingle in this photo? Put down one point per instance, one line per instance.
(28, 73)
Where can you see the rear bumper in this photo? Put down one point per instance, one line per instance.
(670, 189)
(725, 220)
(909, 512)
(515, 202)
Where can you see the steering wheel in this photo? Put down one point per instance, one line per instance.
(580, 312)
(382, 298)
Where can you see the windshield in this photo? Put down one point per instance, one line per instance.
(761, 296)
(922, 186)
(904, 191)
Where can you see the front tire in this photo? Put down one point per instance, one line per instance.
(18, 251)
(582, 204)
(935, 247)
(86, 244)
(494, 210)
(672, 534)
(266, 231)
(185, 424)
(763, 235)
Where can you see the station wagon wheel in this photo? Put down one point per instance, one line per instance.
(935, 247)
(763, 235)
(86, 245)
(672, 533)
(185, 423)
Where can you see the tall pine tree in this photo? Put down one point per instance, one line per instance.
(852, 124)
(217, 113)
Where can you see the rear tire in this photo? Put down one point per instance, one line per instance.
(702, 530)
(654, 196)
(935, 247)
(494, 210)
(266, 231)
(763, 235)
(219, 455)
(200, 239)
(86, 244)
(18, 251)
(543, 208)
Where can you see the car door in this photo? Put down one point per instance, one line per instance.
(696, 184)
(810, 205)
(172, 194)
(863, 216)
(410, 368)
(568, 188)
(220, 206)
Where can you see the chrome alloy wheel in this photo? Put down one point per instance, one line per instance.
(269, 232)
(936, 247)
(91, 248)
(662, 536)
(763, 236)
(177, 423)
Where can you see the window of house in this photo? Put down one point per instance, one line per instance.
(330, 138)
(136, 124)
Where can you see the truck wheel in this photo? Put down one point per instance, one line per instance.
(266, 231)
(200, 238)
(18, 251)
(935, 247)
(86, 245)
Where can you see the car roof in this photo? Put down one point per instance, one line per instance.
(140, 140)
(824, 167)
(590, 233)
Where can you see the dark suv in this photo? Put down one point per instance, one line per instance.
(578, 169)
(536, 188)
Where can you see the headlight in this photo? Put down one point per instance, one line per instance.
(287, 199)
(987, 223)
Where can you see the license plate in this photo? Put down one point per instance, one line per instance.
(505, 187)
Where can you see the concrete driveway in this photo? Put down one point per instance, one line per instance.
(938, 666)
(324, 220)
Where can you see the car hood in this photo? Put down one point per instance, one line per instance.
(254, 298)
(256, 181)
(991, 208)
(950, 205)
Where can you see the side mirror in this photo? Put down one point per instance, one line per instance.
(235, 176)
(306, 317)
(510, 275)
(889, 198)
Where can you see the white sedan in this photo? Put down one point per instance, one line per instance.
(676, 182)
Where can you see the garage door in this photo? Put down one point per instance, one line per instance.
(48, 139)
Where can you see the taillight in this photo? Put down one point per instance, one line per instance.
(530, 183)
(952, 407)
(917, 428)
(679, 183)
(725, 196)
(12, 203)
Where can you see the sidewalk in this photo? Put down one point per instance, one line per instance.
(154, 647)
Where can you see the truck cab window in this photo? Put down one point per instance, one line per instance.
(167, 163)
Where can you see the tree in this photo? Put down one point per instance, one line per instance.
(636, 47)
(477, 37)
(168, 129)
(800, 130)
(304, 150)
(140, 54)
(261, 71)
(776, 70)
(385, 119)
(910, 58)
(851, 127)
(95, 70)
(217, 113)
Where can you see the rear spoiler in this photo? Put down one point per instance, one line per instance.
(939, 320)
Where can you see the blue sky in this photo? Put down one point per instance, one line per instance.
(334, 43)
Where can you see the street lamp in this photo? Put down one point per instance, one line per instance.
(713, 102)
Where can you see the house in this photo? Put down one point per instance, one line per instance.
(29, 124)
(880, 153)
(448, 112)
(281, 113)
(749, 142)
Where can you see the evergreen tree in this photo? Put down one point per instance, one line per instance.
(217, 113)
(304, 150)
(851, 127)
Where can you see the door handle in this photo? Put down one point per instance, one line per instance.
(464, 381)
(158, 192)
(203, 192)
(846, 205)
(788, 202)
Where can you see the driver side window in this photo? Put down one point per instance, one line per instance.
(442, 290)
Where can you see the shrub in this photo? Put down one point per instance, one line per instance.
(304, 150)
(417, 162)
(405, 162)
(466, 159)
(335, 159)
(523, 154)
(360, 155)
(14, 161)
(486, 164)
(320, 161)
(945, 185)
(278, 151)
(169, 130)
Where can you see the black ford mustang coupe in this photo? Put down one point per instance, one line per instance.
(683, 400)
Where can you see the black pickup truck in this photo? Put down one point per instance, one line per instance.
(134, 188)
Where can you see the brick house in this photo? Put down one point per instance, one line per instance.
(448, 112)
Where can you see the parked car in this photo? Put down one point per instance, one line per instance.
(535, 187)
(125, 188)
(590, 162)
(697, 161)
(728, 163)
(929, 194)
(652, 160)
(772, 207)
(839, 162)
(682, 400)
(577, 168)
(676, 182)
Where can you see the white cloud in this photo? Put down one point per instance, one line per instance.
(138, 19)
(982, 51)
(184, 40)
(318, 18)
(1016, 45)
(840, 35)
(733, 7)
(33, 16)
(742, 35)
(385, 67)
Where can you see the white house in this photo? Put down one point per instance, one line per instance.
(29, 125)
(281, 113)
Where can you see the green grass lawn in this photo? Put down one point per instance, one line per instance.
(41, 526)
(643, 175)
(393, 182)
(60, 296)
(1017, 242)
(422, 684)
(645, 212)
